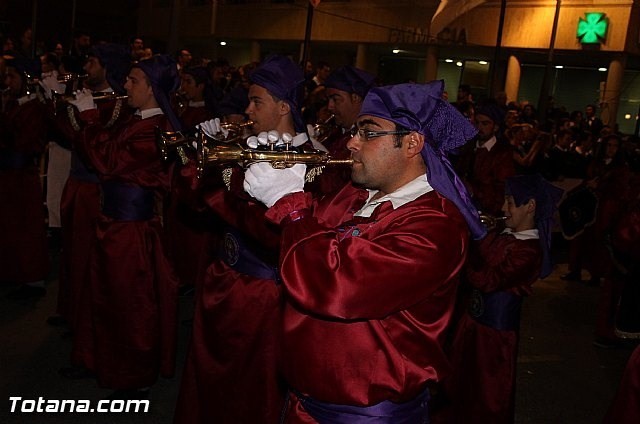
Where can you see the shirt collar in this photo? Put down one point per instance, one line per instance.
(487, 144)
(523, 235)
(196, 104)
(148, 113)
(405, 194)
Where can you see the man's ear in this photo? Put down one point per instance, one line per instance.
(531, 206)
(285, 108)
(355, 98)
(414, 143)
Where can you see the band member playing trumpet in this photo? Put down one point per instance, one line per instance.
(231, 374)
(190, 231)
(501, 269)
(24, 258)
(346, 88)
(106, 68)
(132, 290)
(370, 274)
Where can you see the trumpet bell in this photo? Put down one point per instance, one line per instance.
(170, 141)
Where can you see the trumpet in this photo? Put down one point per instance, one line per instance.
(71, 78)
(489, 221)
(170, 141)
(210, 153)
(61, 98)
(323, 129)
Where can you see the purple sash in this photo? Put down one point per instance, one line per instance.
(499, 310)
(415, 411)
(80, 172)
(237, 252)
(15, 160)
(127, 202)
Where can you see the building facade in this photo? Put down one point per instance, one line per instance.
(460, 41)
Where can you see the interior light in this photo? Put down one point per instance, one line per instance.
(559, 66)
(449, 60)
(627, 116)
(395, 51)
(458, 63)
(223, 43)
(482, 62)
(602, 69)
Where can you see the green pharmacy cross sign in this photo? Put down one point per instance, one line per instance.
(593, 28)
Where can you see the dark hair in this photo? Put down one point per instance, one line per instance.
(52, 59)
(397, 138)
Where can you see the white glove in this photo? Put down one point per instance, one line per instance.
(84, 100)
(50, 84)
(269, 185)
(212, 128)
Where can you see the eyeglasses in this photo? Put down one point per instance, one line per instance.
(367, 135)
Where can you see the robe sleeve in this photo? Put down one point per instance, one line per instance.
(417, 253)
(502, 263)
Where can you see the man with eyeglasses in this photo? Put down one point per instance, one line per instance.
(370, 274)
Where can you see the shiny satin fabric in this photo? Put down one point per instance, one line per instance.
(481, 388)
(23, 245)
(365, 315)
(132, 289)
(231, 374)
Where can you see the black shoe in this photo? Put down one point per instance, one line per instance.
(57, 321)
(75, 373)
(571, 276)
(139, 394)
(26, 291)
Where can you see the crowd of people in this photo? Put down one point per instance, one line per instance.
(388, 290)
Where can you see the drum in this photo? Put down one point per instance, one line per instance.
(577, 211)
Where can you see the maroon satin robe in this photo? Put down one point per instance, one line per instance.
(231, 371)
(189, 231)
(368, 300)
(625, 408)
(79, 210)
(490, 171)
(132, 289)
(24, 256)
(481, 388)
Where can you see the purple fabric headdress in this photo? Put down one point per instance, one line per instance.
(284, 79)
(420, 108)
(526, 187)
(162, 72)
(351, 80)
(116, 60)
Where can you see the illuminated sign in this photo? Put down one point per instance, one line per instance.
(593, 28)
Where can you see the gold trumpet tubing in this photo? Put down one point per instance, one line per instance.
(232, 132)
(233, 152)
(97, 97)
(490, 221)
(67, 78)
